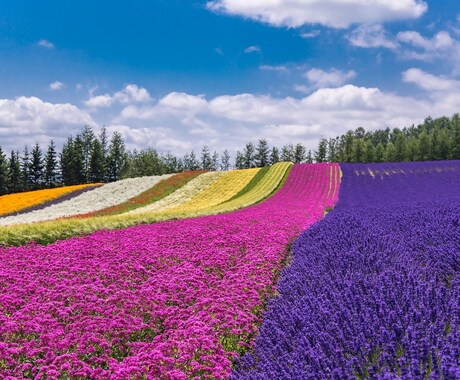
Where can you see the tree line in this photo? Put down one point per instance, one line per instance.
(89, 158)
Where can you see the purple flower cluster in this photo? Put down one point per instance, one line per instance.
(373, 291)
(172, 300)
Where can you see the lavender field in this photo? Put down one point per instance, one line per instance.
(373, 290)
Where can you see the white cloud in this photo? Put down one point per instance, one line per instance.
(430, 82)
(252, 49)
(427, 49)
(312, 34)
(333, 78)
(371, 36)
(24, 120)
(282, 68)
(56, 86)
(332, 13)
(130, 94)
(45, 43)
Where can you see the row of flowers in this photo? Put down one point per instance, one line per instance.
(13, 203)
(97, 199)
(171, 300)
(373, 290)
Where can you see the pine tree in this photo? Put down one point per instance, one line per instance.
(225, 161)
(87, 137)
(321, 152)
(37, 166)
(215, 161)
(206, 159)
(15, 174)
(96, 162)
(51, 174)
(249, 156)
(103, 138)
(261, 156)
(3, 173)
(79, 160)
(287, 153)
(194, 164)
(309, 159)
(240, 162)
(299, 153)
(274, 155)
(25, 169)
(66, 158)
(117, 157)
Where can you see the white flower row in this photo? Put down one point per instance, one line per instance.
(105, 196)
(181, 195)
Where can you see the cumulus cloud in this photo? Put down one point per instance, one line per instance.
(25, 120)
(130, 94)
(45, 43)
(430, 82)
(56, 86)
(427, 49)
(371, 36)
(332, 13)
(333, 78)
(253, 49)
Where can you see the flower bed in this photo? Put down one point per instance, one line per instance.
(171, 300)
(373, 290)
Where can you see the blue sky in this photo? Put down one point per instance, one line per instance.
(178, 74)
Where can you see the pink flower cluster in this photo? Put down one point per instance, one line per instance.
(172, 300)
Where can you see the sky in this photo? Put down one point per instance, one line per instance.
(175, 75)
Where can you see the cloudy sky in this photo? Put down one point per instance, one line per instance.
(178, 74)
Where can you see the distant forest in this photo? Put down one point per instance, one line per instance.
(88, 157)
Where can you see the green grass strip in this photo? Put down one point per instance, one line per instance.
(251, 184)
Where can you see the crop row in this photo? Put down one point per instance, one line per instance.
(47, 232)
(373, 290)
(14, 203)
(171, 300)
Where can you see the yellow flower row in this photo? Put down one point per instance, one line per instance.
(19, 201)
(221, 190)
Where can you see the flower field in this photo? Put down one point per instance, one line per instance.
(172, 300)
(373, 290)
(98, 199)
(48, 232)
(14, 203)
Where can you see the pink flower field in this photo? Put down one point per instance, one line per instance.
(172, 300)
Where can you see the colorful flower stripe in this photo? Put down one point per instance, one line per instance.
(13, 203)
(48, 232)
(171, 300)
(373, 291)
(161, 190)
(182, 195)
(98, 199)
(221, 190)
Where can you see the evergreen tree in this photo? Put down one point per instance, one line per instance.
(424, 147)
(215, 161)
(369, 151)
(66, 158)
(321, 152)
(379, 153)
(104, 140)
(87, 137)
(299, 153)
(249, 156)
(358, 150)
(274, 155)
(96, 162)
(194, 164)
(411, 152)
(206, 159)
(25, 169)
(79, 160)
(390, 153)
(15, 174)
(51, 173)
(3, 173)
(455, 138)
(170, 163)
(240, 162)
(287, 153)
(332, 153)
(116, 157)
(400, 146)
(261, 157)
(225, 161)
(309, 159)
(37, 166)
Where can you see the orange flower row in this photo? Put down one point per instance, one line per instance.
(19, 201)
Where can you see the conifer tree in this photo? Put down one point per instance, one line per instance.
(14, 173)
(3, 173)
(37, 166)
(261, 156)
(51, 173)
(225, 161)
